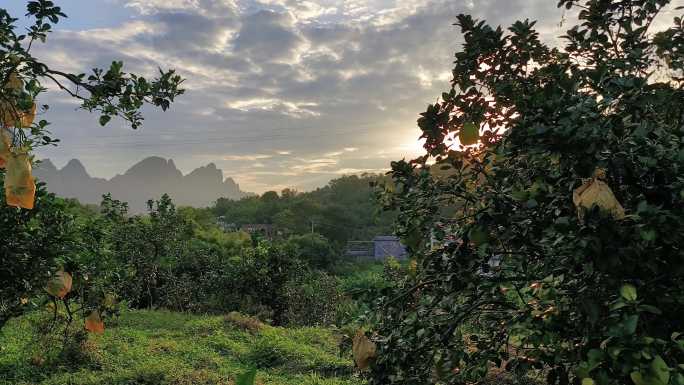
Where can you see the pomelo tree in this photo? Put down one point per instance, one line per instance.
(547, 213)
(35, 233)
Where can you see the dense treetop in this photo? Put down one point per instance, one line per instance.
(557, 228)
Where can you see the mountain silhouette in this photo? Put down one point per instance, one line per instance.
(147, 179)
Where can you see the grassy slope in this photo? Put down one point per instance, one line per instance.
(155, 348)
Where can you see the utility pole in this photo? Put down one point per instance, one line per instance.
(312, 225)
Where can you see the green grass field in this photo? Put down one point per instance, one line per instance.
(156, 347)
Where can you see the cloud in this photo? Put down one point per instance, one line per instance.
(339, 83)
(356, 171)
(341, 152)
(296, 110)
(208, 8)
(246, 157)
(268, 36)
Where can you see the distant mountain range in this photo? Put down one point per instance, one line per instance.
(147, 179)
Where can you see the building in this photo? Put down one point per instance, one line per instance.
(264, 229)
(385, 246)
(379, 249)
(225, 225)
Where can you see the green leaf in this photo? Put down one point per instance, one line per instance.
(595, 356)
(660, 369)
(650, 309)
(640, 379)
(629, 324)
(614, 352)
(104, 119)
(648, 235)
(679, 379)
(520, 195)
(469, 134)
(479, 236)
(247, 378)
(628, 292)
(588, 381)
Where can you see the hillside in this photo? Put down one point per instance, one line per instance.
(147, 179)
(160, 348)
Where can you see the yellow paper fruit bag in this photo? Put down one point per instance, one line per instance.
(595, 192)
(27, 117)
(5, 145)
(363, 349)
(20, 187)
(94, 324)
(60, 284)
(11, 116)
(14, 82)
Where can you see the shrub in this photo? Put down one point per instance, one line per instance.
(312, 299)
(32, 244)
(313, 249)
(260, 278)
(557, 221)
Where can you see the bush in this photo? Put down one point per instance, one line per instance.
(312, 300)
(258, 280)
(313, 249)
(557, 231)
(33, 243)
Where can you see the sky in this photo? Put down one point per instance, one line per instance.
(279, 93)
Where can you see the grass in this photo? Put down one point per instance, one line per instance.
(165, 348)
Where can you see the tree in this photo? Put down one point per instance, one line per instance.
(314, 249)
(555, 208)
(37, 242)
(32, 243)
(110, 93)
(148, 248)
(263, 274)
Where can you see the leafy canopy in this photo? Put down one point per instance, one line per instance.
(512, 272)
(37, 243)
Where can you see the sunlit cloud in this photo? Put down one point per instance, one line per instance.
(355, 171)
(250, 158)
(334, 154)
(274, 105)
(339, 83)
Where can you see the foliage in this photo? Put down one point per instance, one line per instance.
(313, 249)
(39, 242)
(261, 276)
(312, 299)
(346, 209)
(145, 248)
(33, 243)
(227, 243)
(517, 274)
(169, 259)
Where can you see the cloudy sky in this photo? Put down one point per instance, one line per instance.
(280, 93)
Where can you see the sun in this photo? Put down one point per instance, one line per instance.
(413, 147)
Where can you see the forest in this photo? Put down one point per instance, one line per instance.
(543, 226)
